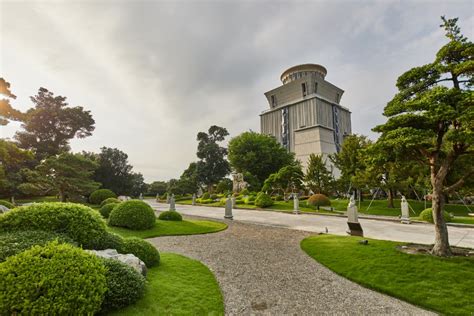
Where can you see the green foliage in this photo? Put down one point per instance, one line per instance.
(14, 163)
(12, 243)
(98, 196)
(318, 200)
(257, 156)
(318, 177)
(249, 199)
(427, 215)
(263, 200)
(110, 241)
(57, 279)
(81, 223)
(157, 187)
(187, 183)
(7, 204)
(142, 249)
(7, 112)
(133, 214)
(107, 209)
(51, 124)
(287, 179)
(206, 196)
(204, 201)
(109, 200)
(124, 285)
(244, 192)
(224, 186)
(170, 216)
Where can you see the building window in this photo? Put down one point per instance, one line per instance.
(273, 100)
(315, 87)
(303, 89)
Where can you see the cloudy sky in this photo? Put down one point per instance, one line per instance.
(155, 73)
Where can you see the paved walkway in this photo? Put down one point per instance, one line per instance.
(386, 230)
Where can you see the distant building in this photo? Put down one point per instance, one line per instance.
(305, 114)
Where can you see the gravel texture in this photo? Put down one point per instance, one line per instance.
(263, 271)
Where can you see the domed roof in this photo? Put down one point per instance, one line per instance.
(304, 67)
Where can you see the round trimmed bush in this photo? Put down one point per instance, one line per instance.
(81, 223)
(318, 200)
(170, 216)
(12, 243)
(427, 215)
(7, 204)
(109, 200)
(263, 200)
(133, 214)
(110, 241)
(55, 279)
(124, 285)
(142, 249)
(100, 195)
(107, 209)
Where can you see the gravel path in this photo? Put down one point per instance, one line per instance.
(263, 271)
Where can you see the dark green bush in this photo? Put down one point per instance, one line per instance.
(133, 214)
(55, 279)
(100, 195)
(124, 285)
(109, 200)
(170, 216)
(278, 197)
(7, 204)
(206, 196)
(12, 243)
(240, 201)
(263, 200)
(318, 200)
(244, 192)
(213, 196)
(427, 215)
(107, 209)
(110, 241)
(142, 249)
(81, 223)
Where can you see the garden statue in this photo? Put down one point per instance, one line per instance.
(405, 212)
(194, 199)
(238, 182)
(172, 203)
(353, 219)
(296, 204)
(228, 208)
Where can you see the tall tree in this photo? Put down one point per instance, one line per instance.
(51, 124)
(257, 156)
(12, 161)
(212, 165)
(7, 112)
(431, 118)
(318, 177)
(157, 187)
(289, 179)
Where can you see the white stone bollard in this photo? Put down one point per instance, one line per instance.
(228, 208)
(172, 203)
(405, 211)
(194, 199)
(296, 204)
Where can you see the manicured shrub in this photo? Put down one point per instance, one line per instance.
(81, 223)
(7, 204)
(124, 285)
(206, 196)
(109, 200)
(318, 200)
(170, 216)
(55, 279)
(133, 214)
(240, 201)
(244, 192)
(263, 200)
(142, 249)
(427, 215)
(250, 198)
(204, 201)
(110, 241)
(107, 209)
(213, 196)
(100, 195)
(12, 243)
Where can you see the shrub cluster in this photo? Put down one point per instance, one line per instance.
(263, 200)
(249, 199)
(142, 249)
(7, 204)
(52, 279)
(100, 195)
(170, 216)
(204, 201)
(106, 209)
(205, 196)
(109, 200)
(318, 200)
(133, 214)
(427, 215)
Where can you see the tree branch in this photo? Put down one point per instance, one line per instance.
(458, 183)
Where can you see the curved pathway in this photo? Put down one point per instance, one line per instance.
(262, 270)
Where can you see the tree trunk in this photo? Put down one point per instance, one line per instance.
(209, 188)
(390, 198)
(441, 245)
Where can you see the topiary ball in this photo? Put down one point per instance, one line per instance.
(55, 279)
(427, 215)
(318, 200)
(109, 200)
(124, 285)
(81, 223)
(142, 249)
(170, 216)
(7, 204)
(133, 214)
(100, 195)
(263, 200)
(107, 209)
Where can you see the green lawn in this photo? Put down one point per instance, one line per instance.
(463, 220)
(178, 286)
(171, 228)
(444, 285)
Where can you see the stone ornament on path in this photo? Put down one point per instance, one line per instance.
(172, 203)
(228, 208)
(405, 212)
(353, 219)
(296, 204)
(194, 199)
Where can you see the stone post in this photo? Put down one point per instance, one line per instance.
(405, 212)
(353, 219)
(296, 204)
(194, 199)
(157, 197)
(172, 203)
(228, 208)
